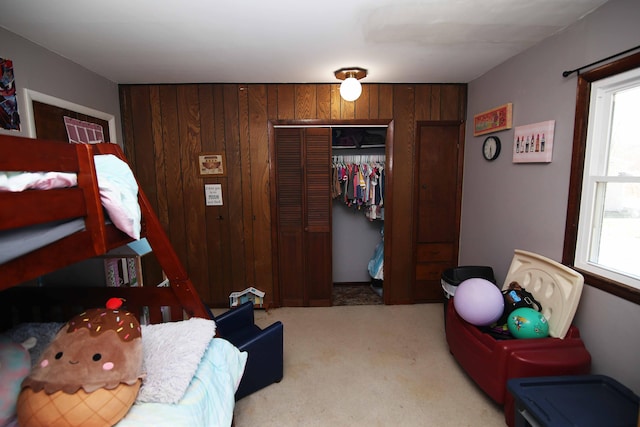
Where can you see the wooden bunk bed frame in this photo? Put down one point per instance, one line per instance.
(57, 304)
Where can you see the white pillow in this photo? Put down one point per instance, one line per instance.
(119, 193)
(171, 354)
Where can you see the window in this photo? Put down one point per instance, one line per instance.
(603, 218)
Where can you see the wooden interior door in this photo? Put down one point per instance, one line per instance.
(437, 204)
(49, 121)
(302, 244)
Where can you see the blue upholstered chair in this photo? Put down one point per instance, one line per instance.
(264, 346)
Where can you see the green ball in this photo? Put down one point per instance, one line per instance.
(526, 322)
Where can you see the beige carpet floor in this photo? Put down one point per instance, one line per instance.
(366, 365)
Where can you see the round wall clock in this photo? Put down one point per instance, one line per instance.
(491, 148)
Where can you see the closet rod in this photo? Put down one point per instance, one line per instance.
(299, 126)
(577, 70)
(360, 158)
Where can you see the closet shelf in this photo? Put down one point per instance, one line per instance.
(355, 147)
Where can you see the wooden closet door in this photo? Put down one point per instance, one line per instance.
(303, 216)
(437, 212)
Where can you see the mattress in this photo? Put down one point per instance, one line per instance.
(18, 242)
(208, 401)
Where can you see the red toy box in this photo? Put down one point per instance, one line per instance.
(492, 362)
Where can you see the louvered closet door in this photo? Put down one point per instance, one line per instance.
(303, 204)
(317, 191)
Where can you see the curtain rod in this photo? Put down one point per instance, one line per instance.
(568, 73)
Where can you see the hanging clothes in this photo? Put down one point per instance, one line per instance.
(358, 181)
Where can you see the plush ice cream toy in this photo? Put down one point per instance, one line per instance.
(89, 375)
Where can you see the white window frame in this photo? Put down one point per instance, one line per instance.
(595, 164)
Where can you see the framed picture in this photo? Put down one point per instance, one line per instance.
(211, 164)
(533, 143)
(499, 118)
(10, 117)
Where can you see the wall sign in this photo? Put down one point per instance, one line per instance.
(213, 194)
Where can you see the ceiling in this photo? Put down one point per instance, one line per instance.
(287, 41)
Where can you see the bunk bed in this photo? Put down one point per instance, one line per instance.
(93, 233)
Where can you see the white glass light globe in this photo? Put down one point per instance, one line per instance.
(350, 89)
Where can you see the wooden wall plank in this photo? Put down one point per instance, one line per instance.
(403, 159)
(374, 99)
(423, 102)
(207, 118)
(362, 104)
(336, 102)
(158, 151)
(449, 102)
(272, 102)
(192, 194)
(207, 145)
(260, 200)
(305, 102)
(286, 102)
(347, 109)
(173, 170)
(235, 177)
(142, 136)
(217, 217)
(247, 188)
(435, 102)
(385, 102)
(323, 101)
(127, 125)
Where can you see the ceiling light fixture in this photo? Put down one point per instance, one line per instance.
(350, 88)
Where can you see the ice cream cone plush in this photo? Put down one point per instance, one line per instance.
(88, 376)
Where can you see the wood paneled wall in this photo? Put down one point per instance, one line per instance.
(228, 248)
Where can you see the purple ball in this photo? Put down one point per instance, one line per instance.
(478, 301)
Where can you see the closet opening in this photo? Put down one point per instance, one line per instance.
(358, 188)
(327, 233)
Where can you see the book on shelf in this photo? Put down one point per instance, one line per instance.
(124, 271)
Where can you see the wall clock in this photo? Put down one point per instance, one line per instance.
(491, 148)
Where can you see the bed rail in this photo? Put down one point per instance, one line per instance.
(59, 304)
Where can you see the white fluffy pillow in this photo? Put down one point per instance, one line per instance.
(171, 355)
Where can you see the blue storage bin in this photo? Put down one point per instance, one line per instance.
(584, 400)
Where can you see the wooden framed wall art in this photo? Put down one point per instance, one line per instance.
(496, 119)
(533, 143)
(211, 165)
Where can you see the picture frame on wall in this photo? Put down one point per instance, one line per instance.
(496, 119)
(212, 165)
(534, 143)
(9, 115)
